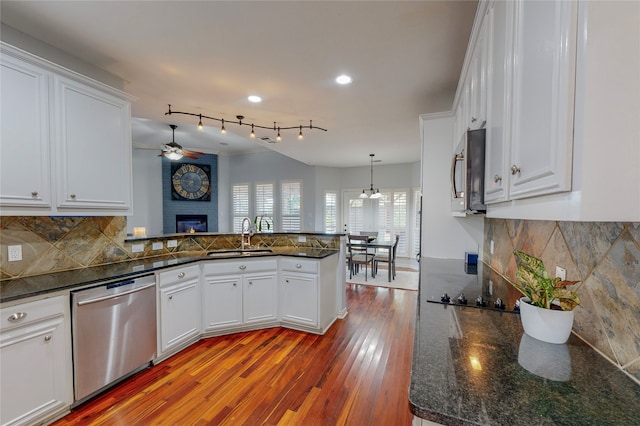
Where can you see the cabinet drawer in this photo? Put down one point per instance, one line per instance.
(239, 266)
(178, 275)
(25, 313)
(298, 265)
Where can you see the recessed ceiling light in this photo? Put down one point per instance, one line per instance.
(343, 79)
(254, 98)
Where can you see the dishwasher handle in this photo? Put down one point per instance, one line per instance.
(114, 296)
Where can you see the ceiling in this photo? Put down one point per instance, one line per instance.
(206, 57)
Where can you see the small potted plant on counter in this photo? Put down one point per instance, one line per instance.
(546, 310)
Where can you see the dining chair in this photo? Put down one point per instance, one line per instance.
(358, 254)
(384, 258)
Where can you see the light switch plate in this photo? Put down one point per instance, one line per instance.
(561, 273)
(172, 243)
(302, 239)
(137, 248)
(157, 245)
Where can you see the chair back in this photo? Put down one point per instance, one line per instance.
(361, 242)
(395, 247)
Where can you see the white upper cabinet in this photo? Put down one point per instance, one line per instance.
(563, 134)
(93, 148)
(543, 95)
(25, 177)
(66, 141)
(498, 74)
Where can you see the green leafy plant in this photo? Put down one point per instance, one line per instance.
(537, 285)
(258, 222)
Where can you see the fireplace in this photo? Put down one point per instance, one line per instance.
(191, 223)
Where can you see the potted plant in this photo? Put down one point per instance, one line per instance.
(546, 310)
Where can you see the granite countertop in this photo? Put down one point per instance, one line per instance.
(23, 288)
(476, 366)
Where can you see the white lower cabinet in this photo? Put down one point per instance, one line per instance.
(179, 313)
(308, 293)
(35, 361)
(239, 294)
(299, 300)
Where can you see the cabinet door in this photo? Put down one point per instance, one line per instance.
(260, 298)
(179, 314)
(498, 22)
(543, 83)
(25, 179)
(300, 299)
(477, 81)
(222, 302)
(93, 148)
(35, 364)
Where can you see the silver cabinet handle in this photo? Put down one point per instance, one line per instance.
(497, 178)
(287, 281)
(250, 282)
(473, 119)
(171, 297)
(73, 196)
(17, 316)
(235, 284)
(47, 338)
(242, 267)
(515, 170)
(298, 266)
(34, 194)
(181, 275)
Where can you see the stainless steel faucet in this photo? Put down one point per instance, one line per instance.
(246, 233)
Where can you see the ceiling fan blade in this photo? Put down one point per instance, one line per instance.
(189, 156)
(190, 151)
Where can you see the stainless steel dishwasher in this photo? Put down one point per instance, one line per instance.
(114, 333)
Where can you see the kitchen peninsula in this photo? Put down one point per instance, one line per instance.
(475, 366)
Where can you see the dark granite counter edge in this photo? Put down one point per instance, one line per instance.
(131, 238)
(28, 287)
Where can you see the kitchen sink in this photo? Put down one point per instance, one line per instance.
(237, 253)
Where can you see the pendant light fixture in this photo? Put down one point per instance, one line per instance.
(373, 193)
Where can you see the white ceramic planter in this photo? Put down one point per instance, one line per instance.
(548, 325)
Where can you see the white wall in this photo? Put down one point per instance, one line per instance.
(443, 236)
(147, 192)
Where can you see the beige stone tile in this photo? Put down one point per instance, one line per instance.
(50, 229)
(532, 236)
(616, 296)
(634, 230)
(111, 254)
(33, 247)
(54, 260)
(634, 370)
(557, 253)
(83, 243)
(589, 241)
(588, 325)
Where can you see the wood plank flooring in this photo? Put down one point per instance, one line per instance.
(356, 374)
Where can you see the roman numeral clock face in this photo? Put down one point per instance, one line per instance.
(190, 182)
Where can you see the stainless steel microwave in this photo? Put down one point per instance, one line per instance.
(467, 173)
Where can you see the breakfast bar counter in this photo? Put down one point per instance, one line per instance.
(475, 366)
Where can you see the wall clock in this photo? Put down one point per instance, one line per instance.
(190, 182)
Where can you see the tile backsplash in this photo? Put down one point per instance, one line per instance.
(604, 256)
(55, 244)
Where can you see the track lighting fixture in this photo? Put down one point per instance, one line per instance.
(275, 128)
(200, 127)
(373, 193)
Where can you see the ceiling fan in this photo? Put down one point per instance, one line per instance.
(175, 151)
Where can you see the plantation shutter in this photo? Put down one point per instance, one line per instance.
(240, 205)
(291, 206)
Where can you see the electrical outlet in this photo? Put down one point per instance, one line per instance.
(492, 247)
(14, 253)
(561, 273)
(302, 239)
(137, 248)
(172, 243)
(156, 246)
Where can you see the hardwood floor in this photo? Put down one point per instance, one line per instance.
(356, 374)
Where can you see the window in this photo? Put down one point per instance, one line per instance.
(392, 219)
(264, 205)
(240, 205)
(291, 206)
(330, 212)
